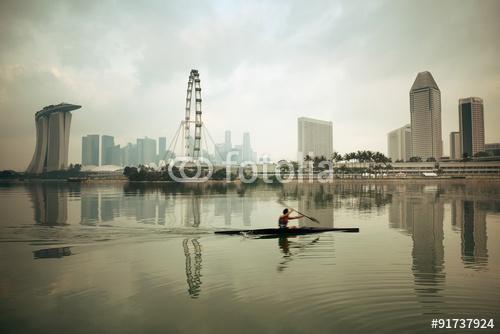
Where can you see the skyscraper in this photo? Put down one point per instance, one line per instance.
(399, 143)
(455, 147)
(247, 153)
(129, 155)
(114, 155)
(52, 138)
(470, 113)
(227, 140)
(90, 150)
(315, 137)
(146, 150)
(425, 111)
(107, 142)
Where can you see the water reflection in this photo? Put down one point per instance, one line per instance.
(52, 253)
(421, 217)
(50, 204)
(228, 207)
(150, 205)
(291, 249)
(89, 210)
(193, 270)
(469, 218)
(314, 199)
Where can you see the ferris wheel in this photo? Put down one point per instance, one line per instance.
(194, 151)
(192, 140)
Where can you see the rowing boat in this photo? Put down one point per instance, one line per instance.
(290, 231)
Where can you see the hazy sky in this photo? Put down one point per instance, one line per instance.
(262, 65)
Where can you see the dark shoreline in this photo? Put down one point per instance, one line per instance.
(465, 179)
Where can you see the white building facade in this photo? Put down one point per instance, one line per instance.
(315, 138)
(399, 144)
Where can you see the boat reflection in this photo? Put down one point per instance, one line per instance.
(291, 249)
(52, 253)
(193, 270)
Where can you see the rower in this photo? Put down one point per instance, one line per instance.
(285, 217)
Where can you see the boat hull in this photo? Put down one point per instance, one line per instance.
(290, 231)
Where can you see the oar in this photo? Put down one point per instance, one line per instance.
(300, 213)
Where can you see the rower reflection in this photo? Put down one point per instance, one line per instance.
(291, 249)
(193, 270)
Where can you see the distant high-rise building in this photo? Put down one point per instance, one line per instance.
(455, 150)
(162, 148)
(425, 111)
(227, 140)
(107, 142)
(129, 155)
(52, 138)
(114, 155)
(90, 150)
(399, 143)
(146, 150)
(315, 137)
(470, 112)
(247, 153)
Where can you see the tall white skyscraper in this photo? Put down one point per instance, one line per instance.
(315, 137)
(471, 119)
(399, 144)
(425, 111)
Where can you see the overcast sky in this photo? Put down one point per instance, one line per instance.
(262, 65)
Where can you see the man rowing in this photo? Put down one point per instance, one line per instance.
(285, 217)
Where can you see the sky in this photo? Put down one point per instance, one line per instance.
(262, 65)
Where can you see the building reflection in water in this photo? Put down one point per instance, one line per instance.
(470, 219)
(420, 213)
(314, 199)
(50, 203)
(89, 207)
(192, 211)
(193, 270)
(231, 206)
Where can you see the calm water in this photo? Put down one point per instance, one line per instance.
(136, 258)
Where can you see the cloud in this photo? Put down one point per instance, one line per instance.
(262, 65)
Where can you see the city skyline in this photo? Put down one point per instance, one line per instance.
(325, 63)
